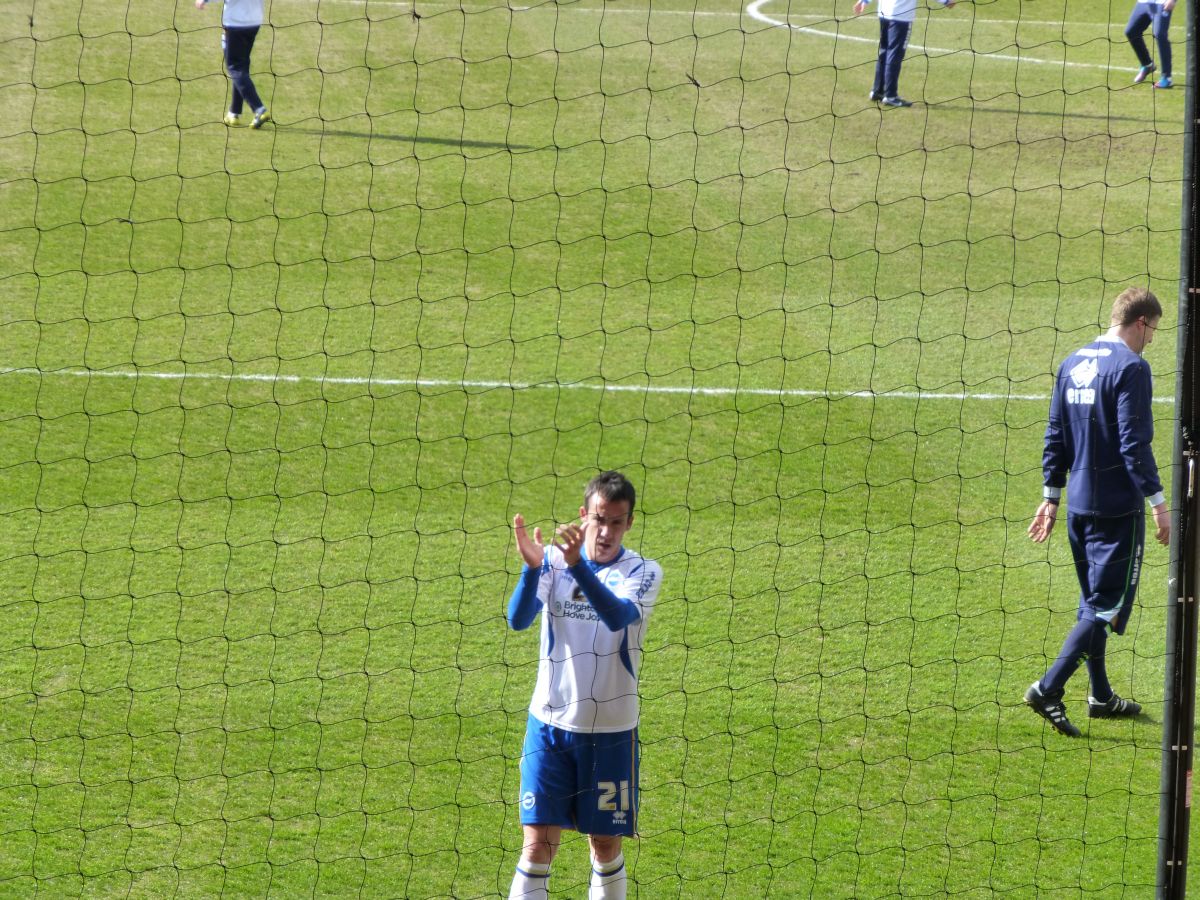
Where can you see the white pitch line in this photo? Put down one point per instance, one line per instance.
(450, 5)
(538, 385)
(471, 7)
(693, 13)
(754, 10)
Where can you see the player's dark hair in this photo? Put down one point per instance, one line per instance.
(612, 487)
(1133, 303)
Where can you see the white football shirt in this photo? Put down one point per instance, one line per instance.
(587, 674)
(901, 10)
(242, 13)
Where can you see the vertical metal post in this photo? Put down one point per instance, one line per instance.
(1179, 706)
(1179, 688)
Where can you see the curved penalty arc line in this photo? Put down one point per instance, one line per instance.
(754, 11)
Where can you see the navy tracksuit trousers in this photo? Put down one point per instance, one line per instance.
(1108, 559)
(1144, 16)
(237, 44)
(893, 42)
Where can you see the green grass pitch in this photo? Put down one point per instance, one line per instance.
(270, 399)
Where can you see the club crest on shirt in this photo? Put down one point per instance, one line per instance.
(1082, 376)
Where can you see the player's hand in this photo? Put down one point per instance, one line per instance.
(570, 541)
(530, 548)
(859, 7)
(1162, 524)
(1043, 522)
(200, 4)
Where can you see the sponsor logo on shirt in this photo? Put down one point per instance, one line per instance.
(576, 608)
(582, 611)
(647, 583)
(1082, 376)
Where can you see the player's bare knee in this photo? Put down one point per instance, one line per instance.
(605, 847)
(541, 844)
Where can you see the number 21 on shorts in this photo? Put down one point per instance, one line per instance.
(608, 790)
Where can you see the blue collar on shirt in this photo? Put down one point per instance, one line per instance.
(595, 566)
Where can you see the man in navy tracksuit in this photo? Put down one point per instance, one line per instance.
(1148, 13)
(241, 20)
(896, 19)
(1100, 430)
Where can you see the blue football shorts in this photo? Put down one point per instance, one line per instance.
(585, 782)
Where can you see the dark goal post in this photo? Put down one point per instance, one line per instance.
(1179, 689)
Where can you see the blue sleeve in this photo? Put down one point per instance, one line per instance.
(523, 607)
(1135, 421)
(1056, 459)
(615, 612)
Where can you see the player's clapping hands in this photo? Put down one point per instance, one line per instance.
(570, 541)
(530, 548)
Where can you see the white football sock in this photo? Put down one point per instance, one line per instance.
(608, 879)
(530, 880)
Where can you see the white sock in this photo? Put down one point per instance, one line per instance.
(608, 879)
(529, 882)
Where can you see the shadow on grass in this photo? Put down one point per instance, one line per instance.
(1058, 114)
(409, 138)
(1113, 732)
(1142, 718)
